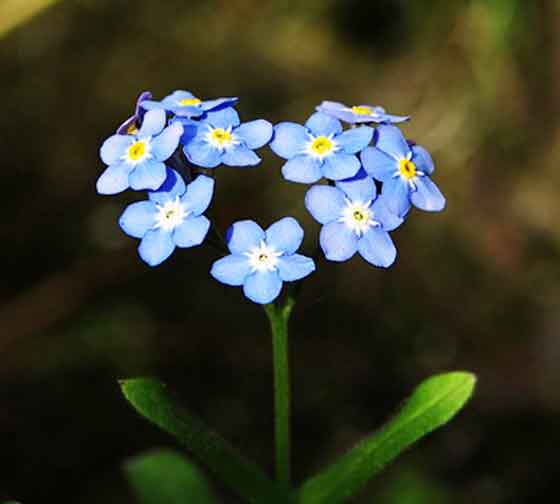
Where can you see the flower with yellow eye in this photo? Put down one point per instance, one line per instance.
(359, 113)
(137, 160)
(171, 217)
(221, 139)
(319, 149)
(354, 220)
(185, 104)
(404, 170)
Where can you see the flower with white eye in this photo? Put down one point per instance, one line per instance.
(171, 217)
(354, 220)
(261, 261)
(359, 113)
(185, 104)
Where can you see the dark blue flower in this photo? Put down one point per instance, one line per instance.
(131, 125)
(185, 104)
(359, 113)
(319, 149)
(172, 217)
(221, 139)
(404, 171)
(136, 161)
(354, 220)
(261, 261)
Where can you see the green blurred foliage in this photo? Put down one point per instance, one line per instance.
(475, 287)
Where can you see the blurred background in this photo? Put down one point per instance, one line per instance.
(475, 287)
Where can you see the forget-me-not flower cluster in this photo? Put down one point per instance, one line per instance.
(365, 177)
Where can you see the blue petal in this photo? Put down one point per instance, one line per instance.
(199, 194)
(147, 175)
(201, 153)
(340, 166)
(190, 128)
(153, 123)
(325, 203)
(323, 124)
(395, 191)
(173, 186)
(303, 169)
(262, 287)
(217, 103)
(285, 235)
(338, 241)
(138, 218)
(191, 232)
(243, 236)
(295, 267)
(255, 134)
(156, 246)
(231, 270)
(377, 248)
(383, 214)
(239, 155)
(355, 139)
(338, 110)
(165, 144)
(422, 159)
(391, 140)
(114, 147)
(223, 118)
(289, 140)
(378, 164)
(358, 188)
(153, 105)
(114, 179)
(427, 195)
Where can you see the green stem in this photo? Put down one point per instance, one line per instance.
(278, 317)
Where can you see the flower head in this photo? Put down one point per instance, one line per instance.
(319, 149)
(171, 217)
(359, 113)
(404, 171)
(220, 138)
(132, 124)
(261, 261)
(354, 220)
(185, 104)
(136, 160)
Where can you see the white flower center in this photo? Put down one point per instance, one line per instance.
(263, 257)
(170, 215)
(358, 216)
(320, 147)
(408, 171)
(221, 138)
(138, 151)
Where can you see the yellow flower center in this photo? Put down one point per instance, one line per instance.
(322, 145)
(358, 216)
(132, 129)
(361, 110)
(185, 102)
(137, 150)
(407, 169)
(221, 136)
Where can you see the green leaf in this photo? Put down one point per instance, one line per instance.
(151, 399)
(166, 477)
(433, 403)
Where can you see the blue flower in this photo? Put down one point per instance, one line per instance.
(261, 261)
(172, 217)
(185, 104)
(319, 149)
(354, 220)
(404, 171)
(136, 161)
(130, 126)
(359, 113)
(221, 139)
